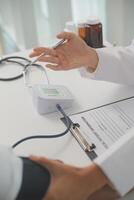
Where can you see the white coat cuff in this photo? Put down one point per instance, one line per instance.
(100, 70)
(117, 163)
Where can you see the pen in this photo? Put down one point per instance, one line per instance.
(42, 54)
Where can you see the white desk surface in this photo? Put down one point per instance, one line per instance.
(19, 118)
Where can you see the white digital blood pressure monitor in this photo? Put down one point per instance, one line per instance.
(46, 97)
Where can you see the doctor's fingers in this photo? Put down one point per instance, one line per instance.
(50, 59)
(66, 35)
(39, 50)
(56, 67)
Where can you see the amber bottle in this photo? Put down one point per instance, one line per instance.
(91, 32)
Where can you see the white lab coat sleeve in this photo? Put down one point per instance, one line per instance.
(11, 168)
(116, 64)
(117, 163)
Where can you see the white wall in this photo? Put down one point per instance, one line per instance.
(24, 21)
(18, 18)
(51, 18)
(128, 21)
(6, 17)
(120, 21)
(29, 26)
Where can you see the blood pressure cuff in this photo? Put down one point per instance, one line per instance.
(35, 181)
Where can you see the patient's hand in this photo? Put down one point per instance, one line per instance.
(73, 183)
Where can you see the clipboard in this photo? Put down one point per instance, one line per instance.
(89, 147)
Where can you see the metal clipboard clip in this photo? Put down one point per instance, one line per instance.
(78, 134)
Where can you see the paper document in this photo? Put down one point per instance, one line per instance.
(104, 125)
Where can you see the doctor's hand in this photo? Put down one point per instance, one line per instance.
(74, 53)
(72, 183)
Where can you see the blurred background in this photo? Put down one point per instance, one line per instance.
(28, 23)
